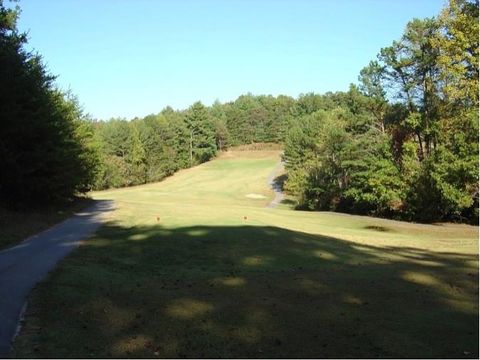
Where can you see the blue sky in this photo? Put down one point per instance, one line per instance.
(132, 58)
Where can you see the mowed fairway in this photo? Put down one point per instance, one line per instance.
(192, 267)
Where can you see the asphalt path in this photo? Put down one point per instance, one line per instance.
(277, 188)
(24, 265)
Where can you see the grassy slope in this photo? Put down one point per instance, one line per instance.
(204, 281)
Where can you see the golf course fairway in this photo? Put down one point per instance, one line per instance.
(197, 266)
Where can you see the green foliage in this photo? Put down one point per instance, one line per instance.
(141, 151)
(219, 120)
(313, 154)
(332, 166)
(45, 142)
(136, 157)
(262, 118)
(375, 185)
(457, 43)
(416, 158)
(202, 141)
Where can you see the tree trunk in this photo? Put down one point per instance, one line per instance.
(421, 157)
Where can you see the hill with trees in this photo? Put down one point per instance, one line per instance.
(403, 143)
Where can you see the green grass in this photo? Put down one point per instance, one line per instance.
(219, 275)
(17, 225)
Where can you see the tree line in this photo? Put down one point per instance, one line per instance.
(403, 143)
(142, 150)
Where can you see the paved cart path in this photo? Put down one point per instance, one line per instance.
(277, 188)
(25, 264)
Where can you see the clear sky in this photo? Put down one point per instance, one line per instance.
(132, 58)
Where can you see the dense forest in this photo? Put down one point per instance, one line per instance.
(402, 143)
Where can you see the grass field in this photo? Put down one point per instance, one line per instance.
(193, 267)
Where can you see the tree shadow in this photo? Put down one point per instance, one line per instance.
(279, 182)
(378, 228)
(252, 292)
(289, 202)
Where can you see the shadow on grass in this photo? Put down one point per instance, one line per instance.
(17, 225)
(279, 182)
(378, 228)
(250, 292)
(290, 202)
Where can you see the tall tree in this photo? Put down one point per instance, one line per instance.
(372, 86)
(457, 44)
(136, 157)
(44, 152)
(219, 119)
(411, 74)
(202, 145)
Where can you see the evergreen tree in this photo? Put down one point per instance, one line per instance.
(45, 156)
(202, 145)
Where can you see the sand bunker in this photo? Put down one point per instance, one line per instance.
(255, 196)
